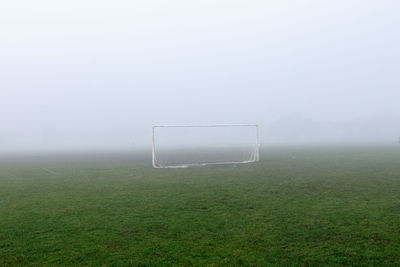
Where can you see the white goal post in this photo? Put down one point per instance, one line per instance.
(181, 146)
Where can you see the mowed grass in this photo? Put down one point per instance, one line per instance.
(299, 206)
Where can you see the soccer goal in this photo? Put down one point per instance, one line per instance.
(181, 146)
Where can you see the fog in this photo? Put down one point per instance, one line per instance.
(98, 74)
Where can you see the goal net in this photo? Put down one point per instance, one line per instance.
(181, 146)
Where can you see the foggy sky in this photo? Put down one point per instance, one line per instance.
(98, 74)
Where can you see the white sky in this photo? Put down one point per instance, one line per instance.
(95, 73)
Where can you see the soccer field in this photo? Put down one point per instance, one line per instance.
(298, 206)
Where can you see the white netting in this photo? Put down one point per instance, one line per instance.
(183, 146)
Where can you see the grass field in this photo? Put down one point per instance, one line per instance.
(299, 206)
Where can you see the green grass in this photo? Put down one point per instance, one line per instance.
(299, 206)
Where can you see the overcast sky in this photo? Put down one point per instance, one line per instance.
(100, 73)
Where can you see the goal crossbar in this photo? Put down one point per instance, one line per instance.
(207, 125)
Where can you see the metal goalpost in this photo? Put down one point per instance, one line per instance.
(253, 154)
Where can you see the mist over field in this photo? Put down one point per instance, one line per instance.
(90, 175)
(99, 74)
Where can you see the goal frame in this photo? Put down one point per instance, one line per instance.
(257, 144)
